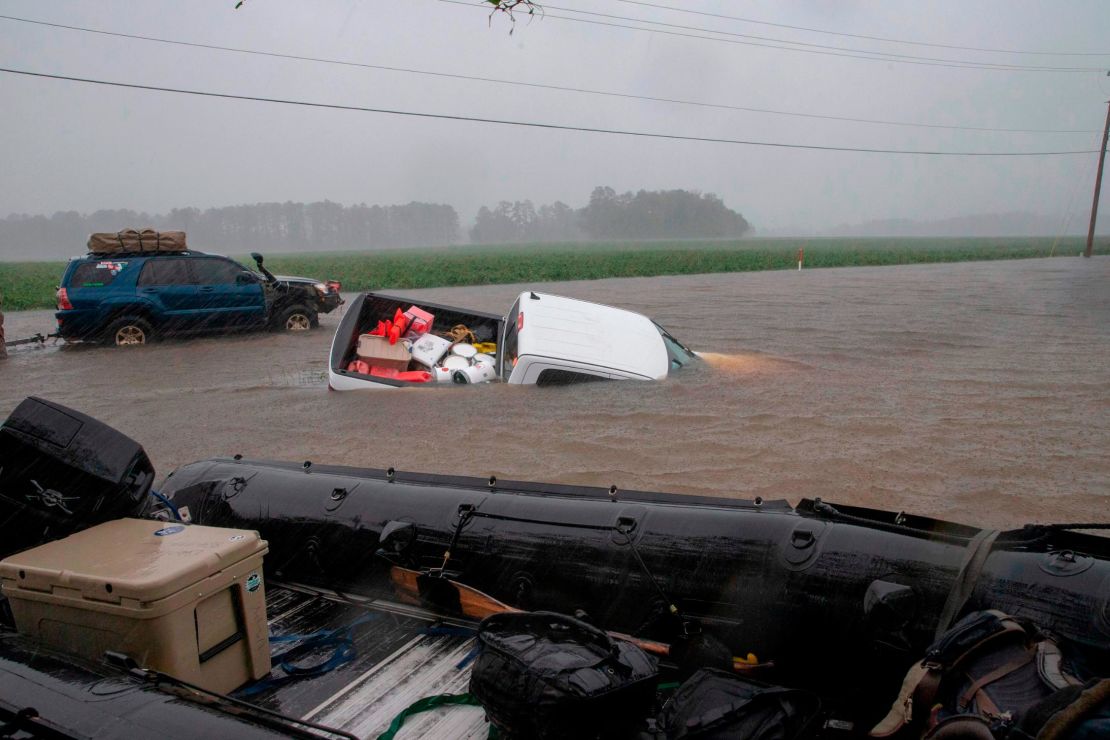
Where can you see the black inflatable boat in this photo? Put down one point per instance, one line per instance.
(835, 600)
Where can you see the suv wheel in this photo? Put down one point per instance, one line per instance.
(129, 331)
(296, 318)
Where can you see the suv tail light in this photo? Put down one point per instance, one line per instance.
(333, 286)
(63, 300)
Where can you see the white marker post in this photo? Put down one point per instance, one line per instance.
(801, 257)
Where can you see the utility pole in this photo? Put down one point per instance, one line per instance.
(1098, 184)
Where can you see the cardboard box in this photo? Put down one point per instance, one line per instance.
(377, 351)
(185, 600)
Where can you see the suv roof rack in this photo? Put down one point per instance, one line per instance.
(178, 252)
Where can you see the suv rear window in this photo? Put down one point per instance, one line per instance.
(95, 274)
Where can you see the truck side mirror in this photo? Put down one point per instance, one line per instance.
(258, 260)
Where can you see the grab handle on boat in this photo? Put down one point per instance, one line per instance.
(802, 538)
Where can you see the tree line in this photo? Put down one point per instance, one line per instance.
(324, 225)
(273, 227)
(655, 214)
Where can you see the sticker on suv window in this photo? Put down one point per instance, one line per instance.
(113, 267)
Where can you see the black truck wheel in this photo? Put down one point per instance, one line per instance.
(128, 331)
(297, 317)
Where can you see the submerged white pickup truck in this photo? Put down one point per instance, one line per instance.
(543, 340)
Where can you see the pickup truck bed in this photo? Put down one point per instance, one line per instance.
(367, 309)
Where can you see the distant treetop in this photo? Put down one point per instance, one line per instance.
(647, 214)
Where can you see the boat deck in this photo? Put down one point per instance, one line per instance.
(402, 654)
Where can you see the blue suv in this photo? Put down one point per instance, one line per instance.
(128, 299)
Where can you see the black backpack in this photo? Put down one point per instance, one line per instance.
(546, 675)
(977, 681)
(717, 705)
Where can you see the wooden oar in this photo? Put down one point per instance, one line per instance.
(414, 587)
(417, 588)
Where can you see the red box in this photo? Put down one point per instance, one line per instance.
(420, 321)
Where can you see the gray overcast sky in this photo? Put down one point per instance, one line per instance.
(73, 146)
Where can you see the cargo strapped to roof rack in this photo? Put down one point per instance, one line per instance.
(137, 242)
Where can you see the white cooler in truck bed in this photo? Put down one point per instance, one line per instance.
(185, 600)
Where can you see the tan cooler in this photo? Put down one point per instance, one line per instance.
(185, 600)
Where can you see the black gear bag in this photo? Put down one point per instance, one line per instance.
(547, 675)
(717, 705)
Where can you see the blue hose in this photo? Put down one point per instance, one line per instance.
(168, 503)
(340, 639)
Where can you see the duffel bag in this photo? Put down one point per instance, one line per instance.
(137, 242)
(547, 675)
(717, 705)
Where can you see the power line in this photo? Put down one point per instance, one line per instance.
(520, 83)
(883, 55)
(869, 38)
(875, 56)
(530, 124)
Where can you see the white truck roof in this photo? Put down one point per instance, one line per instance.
(592, 334)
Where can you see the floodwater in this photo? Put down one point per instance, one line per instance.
(974, 392)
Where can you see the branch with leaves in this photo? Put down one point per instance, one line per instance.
(511, 7)
(508, 7)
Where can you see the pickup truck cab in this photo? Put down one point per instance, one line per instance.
(544, 339)
(129, 299)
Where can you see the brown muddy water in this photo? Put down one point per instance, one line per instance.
(974, 392)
